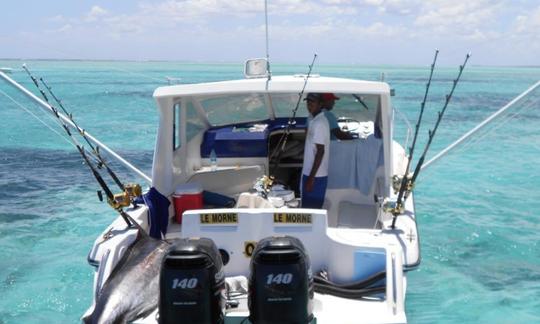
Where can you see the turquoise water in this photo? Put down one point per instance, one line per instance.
(477, 208)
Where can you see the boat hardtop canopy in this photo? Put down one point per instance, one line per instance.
(277, 84)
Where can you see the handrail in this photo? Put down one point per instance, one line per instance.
(69, 123)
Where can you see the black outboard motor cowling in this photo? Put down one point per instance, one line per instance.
(192, 284)
(280, 282)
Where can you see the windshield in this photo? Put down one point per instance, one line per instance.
(232, 109)
(239, 108)
(360, 107)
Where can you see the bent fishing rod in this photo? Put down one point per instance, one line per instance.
(405, 183)
(431, 134)
(280, 147)
(111, 198)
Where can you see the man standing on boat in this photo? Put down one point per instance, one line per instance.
(328, 100)
(316, 152)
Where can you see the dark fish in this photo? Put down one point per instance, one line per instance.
(132, 289)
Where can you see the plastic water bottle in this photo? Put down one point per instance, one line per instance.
(213, 160)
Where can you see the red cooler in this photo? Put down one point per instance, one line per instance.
(186, 197)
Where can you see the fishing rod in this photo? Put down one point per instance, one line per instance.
(280, 147)
(357, 97)
(83, 134)
(405, 183)
(116, 202)
(431, 134)
(266, 29)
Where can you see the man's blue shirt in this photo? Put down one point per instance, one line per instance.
(332, 122)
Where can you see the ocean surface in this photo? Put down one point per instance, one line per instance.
(477, 208)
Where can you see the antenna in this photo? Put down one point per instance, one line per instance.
(266, 28)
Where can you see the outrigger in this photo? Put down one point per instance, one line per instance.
(240, 245)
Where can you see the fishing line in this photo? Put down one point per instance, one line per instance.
(73, 54)
(469, 143)
(409, 128)
(504, 120)
(62, 136)
(48, 115)
(482, 124)
(50, 109)
(141, 74)
(36, 117)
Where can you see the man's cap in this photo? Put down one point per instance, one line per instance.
(313, 97)
(329, 96)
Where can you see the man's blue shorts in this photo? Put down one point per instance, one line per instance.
(314, 198)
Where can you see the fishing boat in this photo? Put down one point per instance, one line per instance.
(215, 162)
(6, 70)
(221, 236)
(235, 244)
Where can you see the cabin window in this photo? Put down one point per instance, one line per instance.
(361, 107)
(284, 104)
(194, 124)
(232, 109)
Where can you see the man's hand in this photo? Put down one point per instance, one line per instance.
(310, 183)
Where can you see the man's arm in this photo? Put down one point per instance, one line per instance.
(316, 164)
(335, 129)
(341, 134)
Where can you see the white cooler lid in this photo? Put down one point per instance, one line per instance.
(188, 188)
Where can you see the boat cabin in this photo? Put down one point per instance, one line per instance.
(242, 124)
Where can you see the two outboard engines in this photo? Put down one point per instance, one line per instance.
(192, 283)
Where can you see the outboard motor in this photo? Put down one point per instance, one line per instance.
(280, 282)
(192, 284)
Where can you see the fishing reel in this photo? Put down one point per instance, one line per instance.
(397, 180)
(391, 206)
(263, 184)
(124, 199)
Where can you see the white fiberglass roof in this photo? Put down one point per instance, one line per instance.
(282, 84)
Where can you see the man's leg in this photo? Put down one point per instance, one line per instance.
(314, 198)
